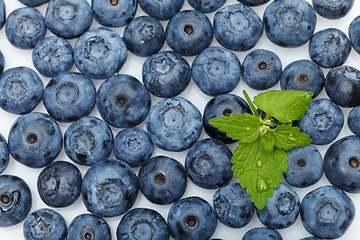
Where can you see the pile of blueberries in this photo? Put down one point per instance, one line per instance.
(111, 185)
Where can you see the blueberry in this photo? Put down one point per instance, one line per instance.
(2, 13)
(323, 121)
(33, 3)
(88, 140)
(303, 75)
(161, 10)
(216, 71)
(123, 101)
(354, 34)
(253, 2)
(262, 233)
(342, 85)
(191, 218)
(52, 55)
(329, 47)
(261, 69)
(166, 74)
(289, 23)
(88, 227)
(310, 238)
(142, 223)
(208, 163)
(109, 188)
(353, 120)
(68, 18)
(22, 90)
(4, 154)
(59, 184)
(144, 36)
(25, 27)
(69, 96)
(35, 140)
(133, 146)
(189, 32)
(15, 200)
(114, 13)
(162, 180)
(282, 208)
(233, 206)
(305, 166)
(332, 9)
(223, 105)
(2, 62)
(174, 124)
(206, 6)
(100, 53)
(45, 224)
(237, 27)
(327, 212)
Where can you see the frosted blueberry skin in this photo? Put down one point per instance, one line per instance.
(323, 121)
(166, 74)
(189, 32)
(223, 105)
(15, 200)
(262, 233)
(88, 227)
(52, 55)
(142, 223)
(208, 163)
(100, 53)
(114, 13)
(2, 62)
(69, 96)
(261, 69)
(216, 71)
(33, 3)
(341, 164)
(311, 238)
(237, 27)
(206, 6)
(303, 75)
(354, 34)
(253, 2)
(59, 184)
(191, 218)
(2, 13)
(332, 9)
(353, 120)
(109, 188)
(327, 212)
(35, 139)
(282, 208)
(329, 48)
(44, 224)
(88, 140)
(4, 154)
(133, 146)
(174, 124)
(68, 18)
(342, 85)
(144, 36)
(162, 180)
(289, 23)
(305, 166)
(161, 10)
(123, 101)
(22, 90)
(25, 27)
(233, 206)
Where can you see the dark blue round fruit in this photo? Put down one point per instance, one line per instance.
(333, 9)
(206, 6)
(162, 180)
(354, 34)
(15, 200)
(353, 120)
(2, 13)
(35, 140)
(4, 154)
(161, 10)
(33, 3)
(2, 62)
(88, 227)
(262, 233)
(237, 27)
(59, 184)
(253, 2)
(142, 223)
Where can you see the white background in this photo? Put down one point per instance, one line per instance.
(16, 57)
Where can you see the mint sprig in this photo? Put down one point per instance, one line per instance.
(260, 159)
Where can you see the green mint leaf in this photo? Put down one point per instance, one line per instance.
(242, 127)
(287, 137)
(285, 106)
(268, 140)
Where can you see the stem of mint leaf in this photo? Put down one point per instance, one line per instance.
(252, 106)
